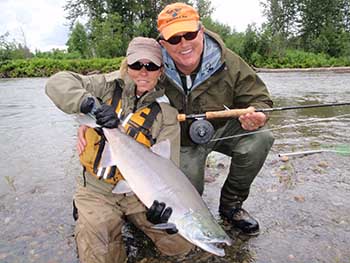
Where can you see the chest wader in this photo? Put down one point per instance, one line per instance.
(138, 126)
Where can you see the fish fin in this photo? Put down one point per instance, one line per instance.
(164, 226)
(162, 148)
(122, 187)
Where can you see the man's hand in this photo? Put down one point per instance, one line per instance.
(81, 143)
(158, 213)
(106, 116)
(253, 121)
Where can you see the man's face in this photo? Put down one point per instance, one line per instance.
(187, 53)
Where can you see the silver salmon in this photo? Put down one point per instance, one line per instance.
(153, 177)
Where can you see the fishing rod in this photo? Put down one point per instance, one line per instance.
(341, 149)
(232, 113)
(201, 131)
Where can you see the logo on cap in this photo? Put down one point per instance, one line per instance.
(173, 12)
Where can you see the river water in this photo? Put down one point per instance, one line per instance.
(302, 204)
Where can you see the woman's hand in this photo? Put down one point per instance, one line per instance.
(81, 143)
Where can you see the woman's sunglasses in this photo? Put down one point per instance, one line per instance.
(148, 66)
(174, 40)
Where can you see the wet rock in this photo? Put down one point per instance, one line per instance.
(3, 256)
(323, 164)
(7, 220)
(317, 170)
(299, 198)
(284, 158)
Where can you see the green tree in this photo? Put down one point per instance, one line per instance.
(282, 16)
(133, 13)
(322, 22)
(204, 8)
(12, 49)
(251, 42)
(221, 29)
(107, 38)
(78, 41)
(346, 15)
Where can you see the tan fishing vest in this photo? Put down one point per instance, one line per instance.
(138, 126)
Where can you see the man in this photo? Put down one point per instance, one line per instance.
(203, 75)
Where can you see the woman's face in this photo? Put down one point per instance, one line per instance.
(144, 80)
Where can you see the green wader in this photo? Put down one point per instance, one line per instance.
(248, 156)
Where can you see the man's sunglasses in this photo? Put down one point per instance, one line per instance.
(174, 40)
(148, 66)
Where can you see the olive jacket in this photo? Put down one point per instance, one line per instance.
(223, 79)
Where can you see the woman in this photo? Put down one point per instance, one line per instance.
(129, 97)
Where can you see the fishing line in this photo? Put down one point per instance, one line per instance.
(282, 127)
(343, 150)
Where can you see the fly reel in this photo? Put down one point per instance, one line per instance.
(201, 131)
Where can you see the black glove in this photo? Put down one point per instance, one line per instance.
(87, 105)
(158, 213)
(106, 116)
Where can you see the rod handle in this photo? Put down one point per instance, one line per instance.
(217, 114)
(234, 113)
(181, 117)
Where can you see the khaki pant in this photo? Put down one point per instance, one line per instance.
(248, 156)
(101, 217)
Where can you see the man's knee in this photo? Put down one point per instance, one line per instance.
(254, 147)
(264, 141)
(192, 164)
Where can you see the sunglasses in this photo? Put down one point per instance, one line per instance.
(148, 66)
(174, 40)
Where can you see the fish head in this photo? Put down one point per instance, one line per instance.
(201, 229)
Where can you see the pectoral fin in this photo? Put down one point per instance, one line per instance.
(122, 187)
(162, 148)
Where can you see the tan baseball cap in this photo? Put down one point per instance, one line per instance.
(144, 48)
(176, 18)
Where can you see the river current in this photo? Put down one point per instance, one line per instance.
(38, 165)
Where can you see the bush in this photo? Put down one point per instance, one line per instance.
(45, 67)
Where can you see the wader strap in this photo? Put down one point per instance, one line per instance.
(84, 178)
(112, 172)
(101, 146)
(117, 95)
(149, 120)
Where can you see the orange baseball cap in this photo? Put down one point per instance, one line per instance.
(176, 18)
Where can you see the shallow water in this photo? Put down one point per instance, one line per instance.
(302, 204)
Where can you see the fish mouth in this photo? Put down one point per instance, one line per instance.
(214, 248)
(220, 242)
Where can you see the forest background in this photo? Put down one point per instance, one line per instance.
(297, 34)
